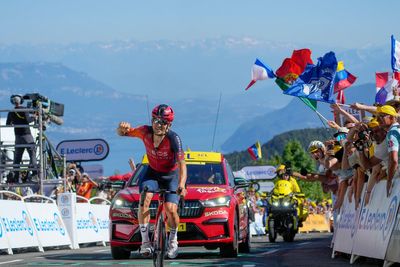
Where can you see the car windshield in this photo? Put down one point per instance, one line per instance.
(197, 174)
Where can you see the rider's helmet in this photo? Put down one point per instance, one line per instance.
(281, 169)
(315, 145)
(163, 112)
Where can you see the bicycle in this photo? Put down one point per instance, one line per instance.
(159, 237)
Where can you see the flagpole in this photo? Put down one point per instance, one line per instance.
(321, 116)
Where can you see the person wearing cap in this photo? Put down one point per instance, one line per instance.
(387, 118)
(86, 185)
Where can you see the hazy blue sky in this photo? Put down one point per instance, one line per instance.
(342, 23)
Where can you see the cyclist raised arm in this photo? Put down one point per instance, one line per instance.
(167, 170)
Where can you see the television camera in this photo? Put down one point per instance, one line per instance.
(52, 111)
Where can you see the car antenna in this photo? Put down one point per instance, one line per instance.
(216, 121)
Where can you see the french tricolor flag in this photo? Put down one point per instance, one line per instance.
(395, 55)
(385, 83)
(260, 72)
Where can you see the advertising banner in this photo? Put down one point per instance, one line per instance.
(48, 223)
(393, 253)
(376, 222)
(17, 225)
(345, 228)
(100, 213)
(84, 150)
(3, 237)
(257, 172)
(87, 226)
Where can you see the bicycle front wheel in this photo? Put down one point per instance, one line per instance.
(159, 242)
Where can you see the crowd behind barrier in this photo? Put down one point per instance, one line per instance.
(38, 221)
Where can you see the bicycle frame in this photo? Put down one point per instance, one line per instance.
(160, 234)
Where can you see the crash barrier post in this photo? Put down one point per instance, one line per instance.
(85, 222)
(315, 223)
(47, 221)
(367, 231)
(16, 225)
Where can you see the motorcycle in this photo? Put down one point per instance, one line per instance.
(283, 212)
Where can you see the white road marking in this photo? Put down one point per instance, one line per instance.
(270, 252)
(101, 250)
(6, 262)
(248, 265)
(304, 243)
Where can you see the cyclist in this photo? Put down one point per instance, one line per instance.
(167, 169)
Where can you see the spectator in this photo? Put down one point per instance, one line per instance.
(23, 136)
(387, 118)
(73, 177)
(85, 186)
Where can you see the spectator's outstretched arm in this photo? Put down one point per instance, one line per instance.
(358, 106)
(132, 164)
(339, 110)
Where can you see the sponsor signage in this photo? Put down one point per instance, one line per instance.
(100, 213)
(48, 224)
(346, 226)
(94, 171)
(376, 221)
(17, 225)
(257, 172)
(3, 237)
(87, 225)
(393, 254)
(84, 150)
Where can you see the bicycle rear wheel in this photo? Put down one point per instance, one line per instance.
(159, 242)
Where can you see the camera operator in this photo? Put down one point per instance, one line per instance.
(23, 135)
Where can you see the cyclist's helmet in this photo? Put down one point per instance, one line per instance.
(14, 99)
(315, 145)
(163, 112)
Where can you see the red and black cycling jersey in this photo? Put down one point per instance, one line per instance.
(163, 158)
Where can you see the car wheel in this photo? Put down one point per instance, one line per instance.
(119, 253)
(245, 246)
(232, 250)
(271, 231)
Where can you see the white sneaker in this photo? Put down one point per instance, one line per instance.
(172, 251)
(146, 249)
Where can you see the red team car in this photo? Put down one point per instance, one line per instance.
(215, 213)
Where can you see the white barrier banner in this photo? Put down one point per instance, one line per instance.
(377, 221)
(87, 228)
(393, 254)
(100, 213)
(49, 226)
(18, 225)
(345, 227)
(3, 237)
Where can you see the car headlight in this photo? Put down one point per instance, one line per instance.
(286, 203)
(216, 202)
(119, 202)
(275, 203)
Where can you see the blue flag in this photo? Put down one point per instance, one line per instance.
(317, 81)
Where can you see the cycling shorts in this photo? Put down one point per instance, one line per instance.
(157, 180)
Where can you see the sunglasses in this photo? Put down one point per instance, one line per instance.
(160, 121)
(340, 137)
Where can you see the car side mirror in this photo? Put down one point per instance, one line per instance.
(241, 182)
(119, 185)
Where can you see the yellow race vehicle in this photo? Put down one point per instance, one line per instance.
(284, 212)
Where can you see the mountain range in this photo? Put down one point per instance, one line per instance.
(104, 83)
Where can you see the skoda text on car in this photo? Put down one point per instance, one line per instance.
(215, 214)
